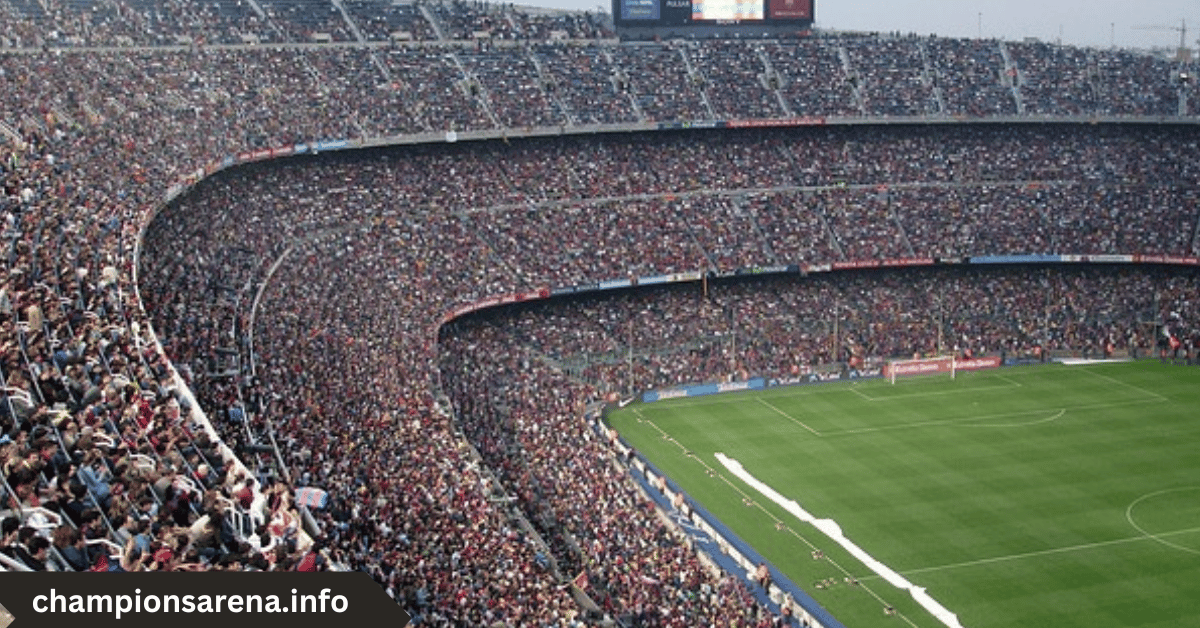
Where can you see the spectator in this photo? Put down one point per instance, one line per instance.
(9, 529)
(95, 477)
(70, 545)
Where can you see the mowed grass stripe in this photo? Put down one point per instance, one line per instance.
(918, 494)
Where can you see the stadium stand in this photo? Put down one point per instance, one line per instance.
(296, 307)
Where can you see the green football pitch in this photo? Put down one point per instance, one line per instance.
(1042, 496)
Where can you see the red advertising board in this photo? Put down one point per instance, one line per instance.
(875, 263)
(917, 367)
(975, 364)
(790, 9)
(866, 263)
(774, 122)
(940, 365)
(1166, 259)
(504, 299)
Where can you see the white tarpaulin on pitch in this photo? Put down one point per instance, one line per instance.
(831, 529)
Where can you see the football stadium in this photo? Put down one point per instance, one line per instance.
(682, 315)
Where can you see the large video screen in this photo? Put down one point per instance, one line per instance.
(700, 12)
(725, 10)
(640, 10)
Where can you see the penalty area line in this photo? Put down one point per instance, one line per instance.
(1046, 552)
(1009, 379)
(935, 393)
(787, 416)
(966, 420)
(1054, 417)
(1125, 384)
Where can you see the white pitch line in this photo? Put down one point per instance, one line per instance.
(863, 394)
(714, 473)
(822, 388)
(1159, 537)
(1009, 380)
(1054, 417)
(787, 416)
(1126, 384)
(1047, 552)
(798, 390)
(956, 391)
(1008, 415)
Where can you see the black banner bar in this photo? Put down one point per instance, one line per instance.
(211, 599)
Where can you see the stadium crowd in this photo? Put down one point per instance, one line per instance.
(516, 399)
(101, 445)
(108, 466)
(787, 326)
(347, 323)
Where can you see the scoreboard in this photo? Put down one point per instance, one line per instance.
(651, 13)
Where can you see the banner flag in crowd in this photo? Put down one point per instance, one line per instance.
(311, 497)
